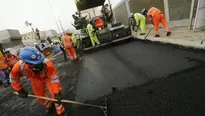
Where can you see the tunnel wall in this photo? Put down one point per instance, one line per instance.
(138, 5)
(179, 9)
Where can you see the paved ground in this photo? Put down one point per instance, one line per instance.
(181, 36)
(138, 78)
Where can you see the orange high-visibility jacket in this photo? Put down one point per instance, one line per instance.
(153, 12)
(67, 42)
(3, 64)
(22, 69)
(12, 60)
(99, 22)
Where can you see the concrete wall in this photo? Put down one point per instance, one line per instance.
(121, 14)
(138, 5)
(13, 43)
(51, 33)
(14, 34)
(179, 9)
(4, 35)
(7, 35)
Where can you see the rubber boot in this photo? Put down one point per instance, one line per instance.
(157, 35)
(169, 33)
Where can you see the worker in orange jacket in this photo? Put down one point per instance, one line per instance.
(10, 58)
(4, 72)
(68, 46)
(41, 71)
(155, 17)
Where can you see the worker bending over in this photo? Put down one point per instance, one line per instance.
(10, 58)
(41, 71)
(68, 46)
(92, 34)
(140, 21)
(155, 17)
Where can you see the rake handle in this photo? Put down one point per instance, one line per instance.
(63, 101)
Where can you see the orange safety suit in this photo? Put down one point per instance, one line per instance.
(155, 17)
(3, 64)
(99, 22)
(11, 60)
(68, 45)
(47, 77)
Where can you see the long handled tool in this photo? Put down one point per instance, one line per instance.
(103, 108)
(149, 32)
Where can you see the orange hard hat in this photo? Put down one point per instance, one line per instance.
(67, 33)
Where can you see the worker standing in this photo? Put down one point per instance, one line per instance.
(58, 42)
(140, 21)
(10, 58)
(4, 71)
(38, 33)
(76, 42)
(41, 71)
(68, 46)
(155, 17)
(92, 34)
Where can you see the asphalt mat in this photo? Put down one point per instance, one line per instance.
(137, 78)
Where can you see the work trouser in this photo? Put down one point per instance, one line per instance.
(71, 52)
(94, 39)
(142, 25)
(39, 89)
(160, 19)
(4, 75)
(64, 52)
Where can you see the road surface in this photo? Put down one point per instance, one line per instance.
(137, 78)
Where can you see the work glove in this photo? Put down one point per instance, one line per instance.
(58, 97)
(22, 93)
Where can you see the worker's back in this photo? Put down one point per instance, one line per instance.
(153, 12)
(67, 41)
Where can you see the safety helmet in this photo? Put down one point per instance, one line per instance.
(31, 55)
(144, 11)
(67, 33)
(59, 37)
(131, 14)
(35, 44)
(90, 21)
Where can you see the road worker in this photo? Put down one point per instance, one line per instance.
(140, 21)
(41, 71)
(4, 72)
(92, 34)
(75, 41)
(68, 46)
(155, 17)
(10, 58)
(58, 42)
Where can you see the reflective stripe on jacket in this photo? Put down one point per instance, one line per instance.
(67, 42)
(22, 69)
